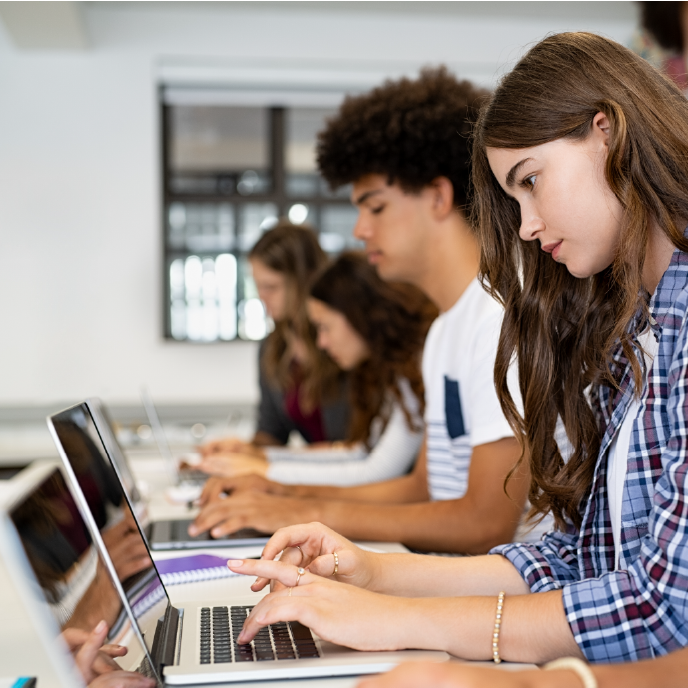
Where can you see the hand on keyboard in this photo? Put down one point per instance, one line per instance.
(337, 612)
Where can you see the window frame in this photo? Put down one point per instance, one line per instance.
(277, 142)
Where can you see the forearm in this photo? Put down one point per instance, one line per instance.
(420, 575)
(668, 672)
(444, 526)
(533, 627)
(397, 491)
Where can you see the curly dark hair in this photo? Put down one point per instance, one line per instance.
(413, 131)
(663, 21)
(393, 319)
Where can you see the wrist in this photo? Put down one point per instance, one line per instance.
(374, 564)
(299, 491)
(416, 624)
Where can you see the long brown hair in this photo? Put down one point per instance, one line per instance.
(392, 319)
(294, 252)
(565, 331)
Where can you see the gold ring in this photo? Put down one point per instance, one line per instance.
(300, 550)
(290, 589)
(336, 563)
(299, 573)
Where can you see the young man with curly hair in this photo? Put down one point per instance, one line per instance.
(404, 148)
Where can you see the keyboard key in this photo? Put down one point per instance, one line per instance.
(220, 627)
(299, 631)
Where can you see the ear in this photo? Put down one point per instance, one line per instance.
(442, 196)
(600, 128)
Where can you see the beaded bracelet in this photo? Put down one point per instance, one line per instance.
(498, 623)
(578, 666)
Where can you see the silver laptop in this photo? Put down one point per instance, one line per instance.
(99, 469)
(189, 475)
(197, 644)
(62, 582)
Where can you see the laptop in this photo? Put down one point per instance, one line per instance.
(108, 465)
(187, 475)
(59, 576)
(197, 644)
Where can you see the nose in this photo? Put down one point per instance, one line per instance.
(531, 225)
(361, 228)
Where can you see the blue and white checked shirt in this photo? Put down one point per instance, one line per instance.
(640, 610)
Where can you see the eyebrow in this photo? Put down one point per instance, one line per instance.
(514, 171)
(366, 195)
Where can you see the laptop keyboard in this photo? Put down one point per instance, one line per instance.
(221, 626)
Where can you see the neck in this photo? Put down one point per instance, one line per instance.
(452, 262)
(657, 258)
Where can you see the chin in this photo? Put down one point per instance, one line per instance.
(578, 271)
(388, 273)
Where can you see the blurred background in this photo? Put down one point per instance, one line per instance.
(145, 146)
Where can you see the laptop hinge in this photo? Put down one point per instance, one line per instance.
(165, 640)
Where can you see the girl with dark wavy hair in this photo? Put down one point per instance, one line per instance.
(375, 331)
(581, 203)
(300, 387)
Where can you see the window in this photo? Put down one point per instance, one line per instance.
(229, 172)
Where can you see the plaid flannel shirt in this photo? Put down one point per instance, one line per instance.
(640, 610)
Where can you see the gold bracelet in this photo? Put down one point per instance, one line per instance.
(498, 623)
(578, 666)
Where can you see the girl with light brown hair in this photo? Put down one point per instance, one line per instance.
(301, 389)
(581, 202)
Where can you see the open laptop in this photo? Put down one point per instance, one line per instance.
(59, 576)
(197, 644)
(103, 467)
(188, 475)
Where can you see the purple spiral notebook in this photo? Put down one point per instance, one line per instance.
(194, 568)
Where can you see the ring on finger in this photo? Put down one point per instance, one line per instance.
(336, 563)
(300, 550)
(290, 589)
(299, 573)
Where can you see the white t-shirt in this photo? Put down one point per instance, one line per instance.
(617, 459)
(394, 450)
(461, 406)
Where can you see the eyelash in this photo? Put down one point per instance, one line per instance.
(526, 183)
(377, 211)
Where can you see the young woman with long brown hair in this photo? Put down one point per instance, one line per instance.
(581, 200)
(375, 331)
(301, 388)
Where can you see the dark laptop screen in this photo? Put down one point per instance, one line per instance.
(102, 490)
(74, 580)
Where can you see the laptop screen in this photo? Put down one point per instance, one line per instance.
(112, 513)
(73, 578)
(102, 420)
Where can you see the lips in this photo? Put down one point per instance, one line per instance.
(552, 248)
(374, 257)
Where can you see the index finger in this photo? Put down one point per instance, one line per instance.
(287, 574)
(308, 536)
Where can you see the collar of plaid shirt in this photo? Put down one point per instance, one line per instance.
(652, 430)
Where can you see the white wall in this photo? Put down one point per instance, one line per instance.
(80, 244)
